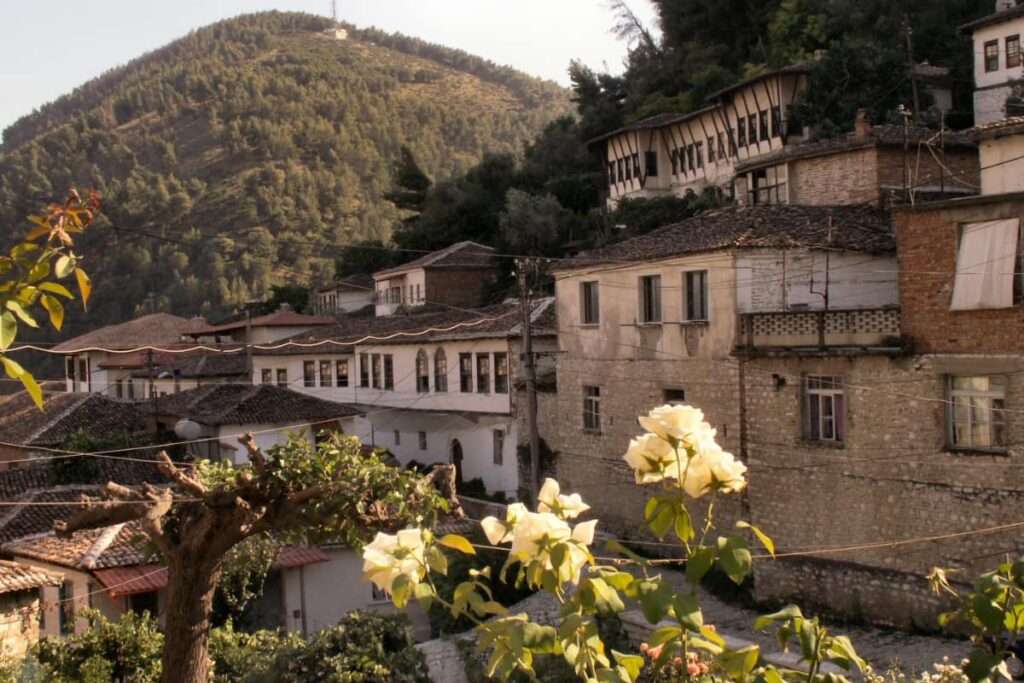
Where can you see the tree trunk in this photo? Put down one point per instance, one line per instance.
(191, 583)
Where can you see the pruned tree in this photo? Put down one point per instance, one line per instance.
(301, 492)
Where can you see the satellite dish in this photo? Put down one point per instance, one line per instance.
(187, 429)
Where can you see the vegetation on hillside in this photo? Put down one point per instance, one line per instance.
(241, 155)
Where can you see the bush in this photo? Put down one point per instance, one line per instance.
(126, 650)
(250, 657)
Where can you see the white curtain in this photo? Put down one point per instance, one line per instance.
(985, 265)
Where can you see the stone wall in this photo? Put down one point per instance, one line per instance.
(457, 287)
(891, 479)
(842, 178)
(19, 622)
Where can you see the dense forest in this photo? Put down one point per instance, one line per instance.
(243, 154)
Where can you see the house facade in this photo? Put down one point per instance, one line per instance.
(347, 295)
(453, 276)
(997, 61)
(431, 388)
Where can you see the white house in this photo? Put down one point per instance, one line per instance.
(432, 388)
(347, 295)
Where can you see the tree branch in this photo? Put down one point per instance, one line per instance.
(178, 476)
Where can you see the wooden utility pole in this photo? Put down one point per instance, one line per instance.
(910, 59)
(530, 370)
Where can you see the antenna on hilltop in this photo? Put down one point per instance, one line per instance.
(334, 11)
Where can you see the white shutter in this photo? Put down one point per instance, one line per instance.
(985, 264)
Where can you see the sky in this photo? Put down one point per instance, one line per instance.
(49, 48)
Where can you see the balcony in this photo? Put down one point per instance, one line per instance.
(858, 329)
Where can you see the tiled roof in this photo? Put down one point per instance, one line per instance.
(115, 546)
(22, 423)
(460, 255)
(887, 135)
(358, 281)
(1008, 126)
(492, 322)
(277, 319)
(24, 482)
(751, 227)
(15, 577)
(156, 329)
(994, 18)
(797, 68)
(200, 366)
(243, 404)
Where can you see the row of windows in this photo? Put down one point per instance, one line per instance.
(275, 375)
(1012, 52)
(331, 373)
(695, 299)
(412, 294)
(975, 415)
(626, 168)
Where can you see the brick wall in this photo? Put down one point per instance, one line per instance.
(457, 287)
(928, 240)
(891, 479)
(958, 170)
(843, 178)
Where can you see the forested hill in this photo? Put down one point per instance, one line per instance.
(255, 147)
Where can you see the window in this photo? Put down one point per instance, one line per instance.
(651, 164)
(465, 372)
(741, 132)
(752, 129)
(698, 152)
(674, 158)
(992, 55)
(282, 378)
(695, 289)
(66, 607)
(119, 388)
(636, 165)
(618, 163)
(422, 372)
(763, 124)
(364, 370)
(131, 387)
(777, 122)
(398, 438)
(325, 373)
(711, 150)
(611, 172)
(440, 371)
(1012, 51)
(499, 447)
(308, 373)
(824, 408)
(590, 311)
(376, 370)
(650, 299)
(69, 367)
(629, 170)
(379, 594)
(976, 411)
(389, 371)
(689, 159)
(721, 146)
(592, 409)
(341, 373)
(501, 373)
(423, 440)
(483, 373)
(987, 262)
(674, 397)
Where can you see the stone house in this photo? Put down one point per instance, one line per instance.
(20, 587)
(997, 60)
(656, 319)
(431, 388)
(453, 276)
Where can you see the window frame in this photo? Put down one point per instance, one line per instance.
(498, 447)
(483, 373)
(500, 367)
(751, 129)
(762, 124)
(376, 371)
(282, 378)
(309, 373)
(1015, 54)
(990, 61)
(422, 439)
(651, 164)
(341, 373)
(650, 309)
(466, 378)
(422, 372)
(828, 389)
(590, 303)
(996, 420)
(440, 370)
(592, 409)
(741, 132)
(690, 310)
(364, 371)
(326, 378)
(389, 371)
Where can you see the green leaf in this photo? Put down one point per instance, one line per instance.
(17, 310)
(606, 599)
(58, 289)
(771, 675)
(766, 541)
(400, 591)
(842, 653)
(698, 564)
(663, 520)
(491, 607)
(65, 266)
(687, 612)
(712, 636)
(559, 554)
(734, 557)
(84, 285)
(436, 560)
(663, 635)
(541, 639)
(654, 597)
(8, 330)
(649, 509)
(38, 271)
(683, 524)
(55, 309)
(633, 664)
(784, 614)
(987, 611)
(33, 389)
(424, 594)
(981, 664)
(456, 542)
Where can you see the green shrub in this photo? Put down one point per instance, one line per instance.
(126, 650)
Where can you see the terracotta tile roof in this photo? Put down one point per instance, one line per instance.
(117, 546)
(156, 329)
(243, 404)
(492, 322)
(22, 423)
(461, 255)
(291, 556)
(15, 577)
(1012, 125)
(277, 319)
(994, 18)
(753, 227)
(142, 578)
(199, 366)
(24, 482)
(887, 135)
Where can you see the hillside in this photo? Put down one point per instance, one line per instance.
(255, 147)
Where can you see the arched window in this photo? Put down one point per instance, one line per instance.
(440, 370)
(422, 372)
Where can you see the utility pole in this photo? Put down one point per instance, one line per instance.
(910, 59)
(530, 370)
(152, 385)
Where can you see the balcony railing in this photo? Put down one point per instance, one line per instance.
(859, 327)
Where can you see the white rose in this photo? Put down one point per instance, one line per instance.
(532, 531)
(551, 500)
(387, 557)
(675, 422)
(501, 532)
(652, 458)
(696, 476)
(725, 469)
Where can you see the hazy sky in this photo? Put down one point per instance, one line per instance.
(49, 47)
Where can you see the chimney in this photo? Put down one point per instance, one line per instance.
(861, 126)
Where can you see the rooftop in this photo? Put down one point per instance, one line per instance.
(992, 19)
(245, 404)
(885, 135)
(155, 329)
(492, 322)
(199, 366)
(357, 281)
(64, 413)
(281, 318)
(16, 577)
(458, 256)
(756, 227)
